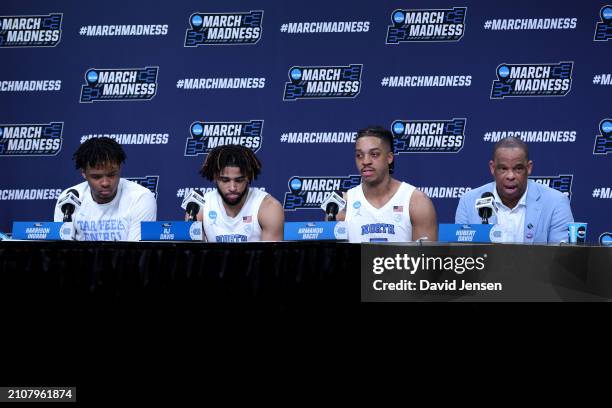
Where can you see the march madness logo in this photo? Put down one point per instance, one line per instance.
(205, 136)
(562, 183)
(224, 28)
(31, 31)
(323, 82)
(42, 139)
(149, 182)
(532, 80)
(310, 192)
(429, 136)
(603, 142)
(427, 25)
(603, 29)
(129, 84)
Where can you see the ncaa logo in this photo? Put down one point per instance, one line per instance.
(130, 84)
(603, 29)
(43, 139)
(426, 25)
(428, 136)
(603, 142)
(523, 80)
(310, 192)
(31, 31)
(224, 28)
(205, 136)
(323, 82)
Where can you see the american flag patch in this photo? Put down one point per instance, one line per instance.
(247, 219)
(398, 208)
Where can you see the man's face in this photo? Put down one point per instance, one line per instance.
(510, 168)
(103, 181)
(372, 157)
(232, 185)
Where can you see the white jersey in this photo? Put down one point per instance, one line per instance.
(390, 223)
(118, 220)
(219, 227)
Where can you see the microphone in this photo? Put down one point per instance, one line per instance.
(485, 206)
(332, 204)
(68, 203)
(192, 204)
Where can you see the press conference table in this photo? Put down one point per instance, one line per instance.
(275, 274)
(278, 275)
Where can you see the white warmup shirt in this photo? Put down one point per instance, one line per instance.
(118, 220)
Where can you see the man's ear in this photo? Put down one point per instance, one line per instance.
(529, 167)
(390, 158)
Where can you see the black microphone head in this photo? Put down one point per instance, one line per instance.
(192, 209)
(195, 201)
(485, 212)
(68, 208)
(332, 208)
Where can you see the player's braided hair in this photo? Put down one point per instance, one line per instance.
(232, 156)
(97, 151)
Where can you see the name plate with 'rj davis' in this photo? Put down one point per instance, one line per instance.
(170, 231)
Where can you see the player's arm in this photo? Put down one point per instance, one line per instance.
(561, 217)
(271, 218)
(144, 209)
(423, 217)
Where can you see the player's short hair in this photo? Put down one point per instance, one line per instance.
(381, 133)
(98, 151)
(511, 142)
(231, 156)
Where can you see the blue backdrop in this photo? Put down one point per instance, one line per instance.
(294, 81)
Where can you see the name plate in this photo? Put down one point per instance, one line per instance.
(469, 233)
(315, 230)
(45, 231)
(170, 231)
